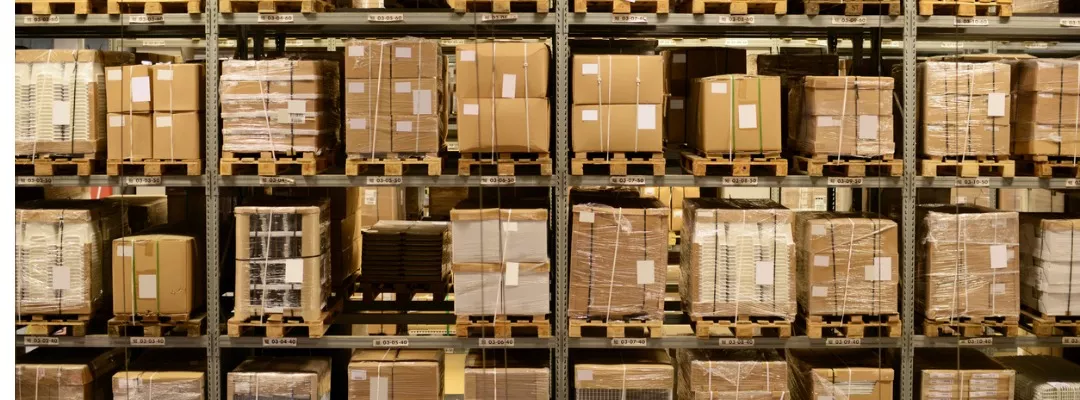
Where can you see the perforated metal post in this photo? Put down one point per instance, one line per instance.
(210, 181)
(908, 224)
(562, 200)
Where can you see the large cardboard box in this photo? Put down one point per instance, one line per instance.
(618, 128)
(521, 374)
(155, 275)
(416, 58)
(630, 373)
(975, 376)
(1035, 6)
(395, 374)
(367, 58)
(731, 374)
(178, 87)
(1050, 263)
(735, 113)
(805, 199)
(130, 137)
(953, 97)
(159, 385)
(416, 133)
(68, 374)
(415, 96)
(618, 79)
(521, 125)
(969, 263)
(833, 373)
(503, 70)
(493, 235)
(368, 120)
(848, 263)
(849, 116)
(1047, 120)
(502, 288)
(279, 377)
(128, 88)
(178, 136)
(738, 259)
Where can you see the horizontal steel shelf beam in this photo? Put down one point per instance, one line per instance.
(997, 342)
(1012, 28)
(421, 23)
(692, 342)
(109, 26)
(366, 342)
(1020, 182)
(676, 24)
(105, 180)
(106, 341)
(717, 181)
(347, 181)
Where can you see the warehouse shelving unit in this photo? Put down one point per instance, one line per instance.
(214, 32)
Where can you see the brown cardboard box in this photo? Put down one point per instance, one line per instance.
(128, 88)
(130, 137)
(848, 264)
(731, 374)
(153, 275)
(1035, 6)
(159, 385)
(675, 121)
(1047, 120)
(280, 69)
(970, 139)
(366, 58)
(274, 89)
(976, 196)
(521, 374)
(416, 133)
(416, 58)
(599, 375)
(368, 120)
(672, 197)
(618, 128)
(849, 116)
(963, 78)
(805, 199)
(521, 125)
(618, 79)
(369, 95)
(975, 376)
(377, 204)
(948, 90)
(71, 374)
(487, 70)
(832, 373)
(1048, 108)
(969, 266)
(956, 108)
(280, 377)
(178, 87)
(1049, 75)
(740, 105)
(416, 96)
(395, 374)
(178, 136)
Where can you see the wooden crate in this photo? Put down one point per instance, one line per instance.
(56, 166)
(154, 6)
(974, 167)
(1049, 325)
(622, 6)
(277, 325)
(616, 329)
(740, 165)
(823, 165)
(274, 6)
(852, 326)
(966, 8)
(157, 325)
(153, 167)
(47, 7)
(618, 164)
(742, 327)
(1048, 166)
(500, 6)
(54, 325)
(853, 7)
(266, 163)
(503, 326)
(504, 164)
(393, 164)
(739, 7)
(972, 327)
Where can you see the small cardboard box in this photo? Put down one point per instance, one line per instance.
(368, 59)
(130, 137)
(154, 275)
(395, 374)
(178, 136)
(521, 125)
(177, 385)
(735, 113)
(416, 58)
(416, 96)
(178, 87)
(618, 79)
(599, 376)
(618, 128)
(502, 70)
(72, 374)
(416, 133)
(368, 121)
(128, 89)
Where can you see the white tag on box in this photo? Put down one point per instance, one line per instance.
(590, 69)
(358, 123)
(163, 122)
(125, 251)
(115, 75)
(403, 126)
(884, 267)
(825, 121)
(421, 102)
(164, 75)
(402, 87)
(470, 109)
(819, 291)
(283, 117)
(510, 226)
(821, 261)
(590, 115)
(371, 197)
(379, 388)
(140, 89)
(998, 288)
(817, 230)
(748, 116)
(718, 87)
(358, 375)
(512, 269)
(584, 375)
(468, 55)
(294, 270)
(877, 273)
(61, 113)
(764, 272)
(587, 217)
(995, 104)
(646, 116)
(999, 256)
(147, 286)
(646, 272)
(61, 278)
(678, 58)
(403, 52)
(868, 127)
(116, 121)
(676, 104)
(509, 84)
(356, 87)
(355, 51)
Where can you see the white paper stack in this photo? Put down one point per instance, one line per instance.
(1044, 377)
(1050, 264)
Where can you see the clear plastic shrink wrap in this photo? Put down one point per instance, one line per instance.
(739, 259)
(845, 116)
(393, 374)
(282, 259)
(964, 108)
(513, 375)
(627, 374)
(1044, 377)
(1035, 6)
(731, 375)
(969, 263)
(618, 256)
(279, 105)
(848, 263)
(840, 374)
(961, 374)
(299, 378)
(1047, 118)
(159, 385)
(71, 374)
(1050, 263)
(499, 234)
(60, 248)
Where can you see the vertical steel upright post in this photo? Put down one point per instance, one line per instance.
(210, 180)
(909, 196)
(562, 200)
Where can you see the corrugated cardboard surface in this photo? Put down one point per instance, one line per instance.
(178, 87)
(962, 374)
(952, 96)
(395, 374)
(731, 374)
(130, 136)
(618, 79)
(495, 65)
(68, 374)
(280, 377)
(618, 128)
(735, 113)
(155, 275)
(178, 136)
(520, 125)
(159, 385)
(848, 264)
(130, 90)
(849, 116)
(840, 374)
(523, 375)
(625, 370)
(1047, 120)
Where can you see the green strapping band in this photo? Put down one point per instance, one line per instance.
(761, 145)
(731, 81)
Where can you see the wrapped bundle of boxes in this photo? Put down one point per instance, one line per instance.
(682, 67)
(521, 374)
(393, 98)
(157, 278)
(628, 374)
(502, 273)
(1046, 125)
(72, 374)
(745, 125)
(395, 374)
(1043, 377)
(280, 377)
(840, 373)
(848, 274)
(282, 266)
(1049, 270)
(738, 268)
(159, 385)
(618, 258)
(968, 270)
(962, 374)
(727, 374)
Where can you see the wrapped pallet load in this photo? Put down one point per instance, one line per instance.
(844, 116)
(280, 378)
(159, 385)
(617, 107)
(393, 374)
(1043, 377)
(961, 374)
(840, 374)
(731, 374)
(1049, 267)
(502, 98)
(964, 108)
(627, 374)
(519, 374)
(72, 374)
(1047, 115)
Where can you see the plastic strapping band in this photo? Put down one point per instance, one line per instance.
(1075, 123)
(494, 143)
(843, 115)
(738, 276)
(134, 282)
(131, 118)
(264, 79)
(150, 383)
(378, 96)
(623, 381)
(505, 239)
(708, 378)
(266, 259)
(614, 258)
(1072, 253)
(847, 275)
(637, 99)
(760, 134)
(738, 379)
(528, 123)
(292, 126)
(74, 97)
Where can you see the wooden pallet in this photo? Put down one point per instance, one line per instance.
(55, 166)
(739, 7)
(153, 167)
(505, 164)
(968, 168)
(500, 6)
(48, 7)
(622, 6)
(274, 6)
(973, 327)
(853, 7)
(616, 329)
(741, 165)
(156, 325)
(278, 325)
(503, 326)
(743, 326)
(265, 164)
(1049, 325)
(852, 326)
(1048, 166)
(822, 165)
(54, 325)
(154, 6)
(618, 164)
(393, 164)
(966, 8)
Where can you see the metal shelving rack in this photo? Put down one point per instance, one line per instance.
(559, 25)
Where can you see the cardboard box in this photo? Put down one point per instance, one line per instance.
(976, 196)
(965, 139)
(734, 374)
(735, 113)
(525, 373)
(977, 376)
(618, 79)
(395, 374)
(159, 385)
(416, 96)
(130, 137)
(850, 116)
(630, 373)
(493, 235)
(128, 89)
(368, 121)
(416, 58)
(747, 238)
(805, 199)
(951, 109)
(68, 374)
(675, 121)
(178, 136)
(1035, 6)
(495, 288)
(416, 134)
(178, 87)
(441, 201)
(503, 70)
(1048, 263)
(140, 284)
(848, 263)
(368, 59)
(969, 264)
(369, 95)
(618, 128)
(279, 377)
(521, 125)
(824, 373)
(1047, 120)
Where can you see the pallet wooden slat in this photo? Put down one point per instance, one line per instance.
(57, 166)
(853, 7)
(267, 164)
(852, 326)
(153, 167)
(847, 166)
(500, 6)
(505, 164)
(156, 326)
(50, 325)
(274, 6)
(1049, 325)
(763, 165)
(966, 8)
(153, 7)
(973, 327)
(49, 7)
(742, 327)
(1048, 167)
(503, 326)
(277, 326)
(739, 7)
(616, 329)
(393, 166)
(968, 168)
(618, 164)
(622, 6)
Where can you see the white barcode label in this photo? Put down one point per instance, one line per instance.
(279, 342)
(735, 342)
(497, 180)
(849, 20)
(628, 180)
(386, 18)
(629, 19)
(844, 181)
(41, 19)
(390, 342)
(739, 181)
(629, 342)
(275, 18)
(498, 17)
(496, 342)
(384, 180)
(146, 19)
(971, 21)
(735, 19)
(148, 341)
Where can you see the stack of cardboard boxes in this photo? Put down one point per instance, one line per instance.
(844, 116)
(792, 68)
(628, 374)
(361, 208)
(618, 103)
(840, 374)
(71, 374)
(155, 111)
(738, 374)
(683, 66)
(1043, 377)
(280, 378)
(395, 374)
(1047, 117)
(962, 374)
(735, 114)
(502, 90)
(805, 199)
(1022, 200)
(517, 375)
(1050, 263)
(159, 385)
(964, 108)
(393, 97)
